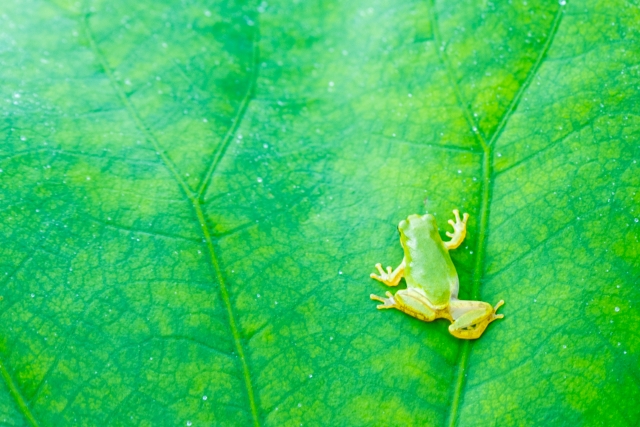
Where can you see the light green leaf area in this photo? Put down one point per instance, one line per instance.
(194, 193)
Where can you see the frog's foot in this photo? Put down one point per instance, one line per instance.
(459, 230)
(389, 277)
(386, 302)
(470, 332)
(495, 308)
(472, 318)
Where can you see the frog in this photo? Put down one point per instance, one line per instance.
(432, 280)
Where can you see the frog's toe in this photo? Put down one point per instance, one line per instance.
(377, 298)
(380, 269)
(386, 302)
(384, 276)
(497, 306)
(460, 222)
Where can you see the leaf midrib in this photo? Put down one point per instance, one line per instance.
(486, 189)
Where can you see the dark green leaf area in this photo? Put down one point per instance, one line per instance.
(193, 195)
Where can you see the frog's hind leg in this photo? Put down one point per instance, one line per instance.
(410, 301)
(471, 318)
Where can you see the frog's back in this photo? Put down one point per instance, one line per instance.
(428, 264)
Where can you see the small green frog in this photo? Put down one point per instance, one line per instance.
(432, 280)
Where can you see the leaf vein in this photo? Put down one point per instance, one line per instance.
(17, 395)
(237, 120)
(487, 185)
(195, 202)
(530, 76)
(440, 50)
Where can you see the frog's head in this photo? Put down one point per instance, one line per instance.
(418, 223)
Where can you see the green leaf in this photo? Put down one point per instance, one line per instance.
(193, 195)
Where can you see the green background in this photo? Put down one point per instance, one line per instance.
(194, 193)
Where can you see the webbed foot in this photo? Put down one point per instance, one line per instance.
(390, 277)
(386, 302)
(495, 308)
(459, 230)
(472, 318)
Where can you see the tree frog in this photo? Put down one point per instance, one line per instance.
(432, 280)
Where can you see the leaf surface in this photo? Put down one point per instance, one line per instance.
(193, 194)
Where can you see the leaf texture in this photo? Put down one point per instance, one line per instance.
(193, 194)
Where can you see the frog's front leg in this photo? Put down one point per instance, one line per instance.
(411, 301)
(389, 277)
(471, 318)
(459, 230)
